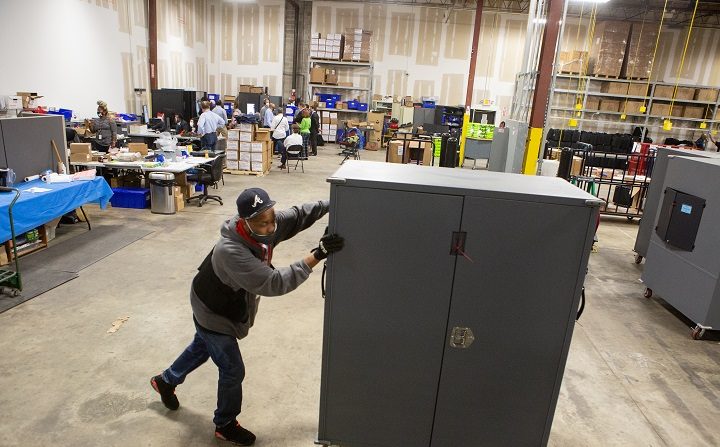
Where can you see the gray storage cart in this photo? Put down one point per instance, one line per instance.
(450, 310)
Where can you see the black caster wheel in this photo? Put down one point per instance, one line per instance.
(630, 218)
(638, 259)
(648, 293)
(697, 333)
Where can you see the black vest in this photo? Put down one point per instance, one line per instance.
(218, 296)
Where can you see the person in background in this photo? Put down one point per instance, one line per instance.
(280, 129)
(706, 142)
(208, 124)
(314, 128)
(225, 295)
(294, 139)
(266, 104)
(298, 113)
(268, 116)
(220, 111)
(105, 129)
(502, 125)
(305, 124)
(181, 126)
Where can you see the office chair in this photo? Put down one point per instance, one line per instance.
(295, 152)
(209, 175)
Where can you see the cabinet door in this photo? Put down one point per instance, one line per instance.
(519, 297)
(386, 311)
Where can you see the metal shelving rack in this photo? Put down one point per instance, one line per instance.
(592, 85)
(314, 88)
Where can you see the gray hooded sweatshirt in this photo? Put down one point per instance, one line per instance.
(239, 265)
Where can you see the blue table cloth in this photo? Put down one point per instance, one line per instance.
(34, 209)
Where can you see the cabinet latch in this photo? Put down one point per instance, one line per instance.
(461, 337)
(457, 244)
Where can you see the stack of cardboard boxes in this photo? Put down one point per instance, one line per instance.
(328, 126)
(608, 50)
(357, 45)
(572, 62)
(376, 120)
(245, 88)
(249, 149)
(80, 153)
(321, 75)
(331, 47)
(638, 63)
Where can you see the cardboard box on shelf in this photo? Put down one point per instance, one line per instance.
(615, 88)
(345, 84)
(247, 127)
(396, 149)
(694, 112)
(666, 91)
(244, 88)
(678, 110)
(632, 106)
(609, 105)
(592, 103)
(572, 61)
(233, 134)
(638, 60)
(706, 94)
(660, 109)
(608, 50)
(317, 75)
(80, 148)
(257, 89)
(637, 89)
(331, 76)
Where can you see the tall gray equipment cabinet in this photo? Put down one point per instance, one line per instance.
(508, 147)
(450, 310)
(683, 266)
(655, 195)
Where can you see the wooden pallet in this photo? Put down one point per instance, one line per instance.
(607, 76)
(629, 78)
(238, 172)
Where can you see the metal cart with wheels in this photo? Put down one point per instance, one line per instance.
(10, 281)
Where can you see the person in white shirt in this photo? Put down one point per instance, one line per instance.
(207, 126)
(268, 117)
(280, 127)
(295, 139)
(220, 111)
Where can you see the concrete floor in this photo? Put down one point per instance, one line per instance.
(634, 377)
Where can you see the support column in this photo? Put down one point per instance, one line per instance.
(542, 85)
(471, 77)
(152, 45)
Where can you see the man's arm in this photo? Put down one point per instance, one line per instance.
(296, 219)
(201, 124)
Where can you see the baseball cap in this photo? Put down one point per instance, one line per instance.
(252, 202)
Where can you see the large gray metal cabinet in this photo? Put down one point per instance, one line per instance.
(688, 278)
(508, 147)
(655, 195)
(432, 340)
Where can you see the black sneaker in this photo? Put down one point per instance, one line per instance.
(235, 433)
(166, 391)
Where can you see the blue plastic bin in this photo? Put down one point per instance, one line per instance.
(330, 104)
(352, 105)
(362, 106)
(130, 198)
(213, 96)
(325, 97)
(65, 113)
(428, 104)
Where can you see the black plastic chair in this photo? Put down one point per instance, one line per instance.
(295, 152)
(209, 175)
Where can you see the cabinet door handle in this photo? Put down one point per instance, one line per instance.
(461, 337)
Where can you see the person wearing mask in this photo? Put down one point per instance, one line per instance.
(181, 126)
(268, 116)
(314, 128)
(220, 111)
(266, 104)
(208, 124)
(105, 129)
(295, 139)
(225, 295)
(280, 128)
(305, 124)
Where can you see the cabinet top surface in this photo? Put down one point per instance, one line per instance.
(459, 182)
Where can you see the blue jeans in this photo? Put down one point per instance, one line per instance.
(306, 139)
(225, 353)
(208, 141)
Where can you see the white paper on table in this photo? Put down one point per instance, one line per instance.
(88, 174)
(38, 189)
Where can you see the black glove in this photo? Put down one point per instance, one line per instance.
(329, 243)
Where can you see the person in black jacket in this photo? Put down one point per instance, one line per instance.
(225, 295)
(314, 128)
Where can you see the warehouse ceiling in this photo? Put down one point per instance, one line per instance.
(679, 12)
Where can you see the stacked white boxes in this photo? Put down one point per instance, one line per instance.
(232, 149)
(330, 47)
(328, 126)
(244, 150)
